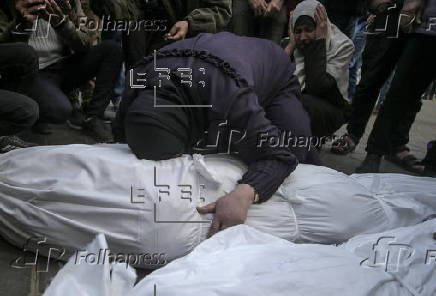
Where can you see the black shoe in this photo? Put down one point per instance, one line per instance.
(42, 128)
(9, 143)
(76, 120)
(371, 164)
(98, 129)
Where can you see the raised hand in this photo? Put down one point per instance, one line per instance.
(28, 10)
(321, 21)
(259, 7)
(53, 13)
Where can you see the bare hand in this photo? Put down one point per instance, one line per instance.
(321, 22)
(259, 7)
(370, 19)
(274, 7)
(411, 13)
(178, 31)
(230, 210)
(28, 9)
(53, 13)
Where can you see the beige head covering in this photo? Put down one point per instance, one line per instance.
(339, 49)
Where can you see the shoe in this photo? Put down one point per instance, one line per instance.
(98, 129)
(344, 145)
(112, 109)
(371, 164)
(9, 143)
(42, 128)
(110, 113)
(409, 162)
(76, 120)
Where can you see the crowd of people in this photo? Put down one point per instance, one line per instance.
(65, 61)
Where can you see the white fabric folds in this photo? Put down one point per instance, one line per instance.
(69, 194)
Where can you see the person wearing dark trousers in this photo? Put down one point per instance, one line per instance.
(381, 54)
(17, 113)
(18, 62)
(66, 60)
(53, 83)
(413, 75)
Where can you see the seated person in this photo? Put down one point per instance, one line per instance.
(322, 55)
(17, 112)
(240, 84)
(66, 59)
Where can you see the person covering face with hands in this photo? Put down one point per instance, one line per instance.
(322, 55)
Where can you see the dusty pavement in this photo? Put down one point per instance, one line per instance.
(28, 281)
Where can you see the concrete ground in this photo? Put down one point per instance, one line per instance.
(27, 281)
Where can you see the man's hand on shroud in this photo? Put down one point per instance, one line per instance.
(231, 209)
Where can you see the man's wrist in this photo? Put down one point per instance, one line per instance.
(248, 192)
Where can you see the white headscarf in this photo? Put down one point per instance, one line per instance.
(339, 49)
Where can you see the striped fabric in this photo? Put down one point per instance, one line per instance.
(47, 44)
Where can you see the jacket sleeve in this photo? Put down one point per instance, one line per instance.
(318, 81)
(6, 29)
(74, 32)
(268, 166)
(212, 18)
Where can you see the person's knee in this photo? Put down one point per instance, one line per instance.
(25, 113)
(30, 112)
(25, 53)
(57, 112)
(22, 60)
